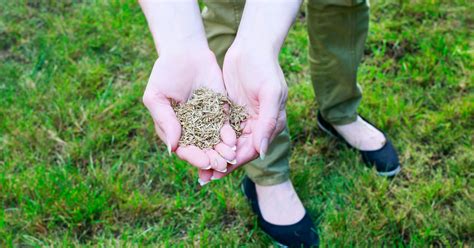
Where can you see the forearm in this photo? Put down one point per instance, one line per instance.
(266, 23)
(175, 25)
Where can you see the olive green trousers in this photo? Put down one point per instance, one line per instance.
(337, 31)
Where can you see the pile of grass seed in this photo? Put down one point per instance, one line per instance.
(203, 116)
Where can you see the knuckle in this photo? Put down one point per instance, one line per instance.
(284, 90)
(159, 122)
(279, 91)
(281, 125)
(282, 117)
(270, 123)
(147, 99)
(275, 89)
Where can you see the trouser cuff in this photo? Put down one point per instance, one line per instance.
(343, 120)
(269, 181)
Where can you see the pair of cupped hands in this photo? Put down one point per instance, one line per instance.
(250, 77)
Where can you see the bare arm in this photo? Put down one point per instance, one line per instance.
(185, 63)
(175, 24)
(253, 76)
(265, 24)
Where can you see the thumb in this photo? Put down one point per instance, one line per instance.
(266, 124)
(164, 117)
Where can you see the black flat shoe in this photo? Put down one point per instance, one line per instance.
(300, 234)
(384, 159)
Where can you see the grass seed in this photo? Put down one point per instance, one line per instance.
(203, 116)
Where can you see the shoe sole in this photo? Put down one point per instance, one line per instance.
(280, 245)
(325, 130)
(384, 174)
(390, 173)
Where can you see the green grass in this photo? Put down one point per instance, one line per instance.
(80, 164)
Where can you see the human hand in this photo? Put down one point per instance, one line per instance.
(254, 79)
(185, 64)
(174, 78)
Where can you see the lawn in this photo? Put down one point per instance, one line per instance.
(80, 164)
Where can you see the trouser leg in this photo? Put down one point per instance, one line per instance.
(337, 32)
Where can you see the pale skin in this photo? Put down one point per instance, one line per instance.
(251, 76)
(185, 63)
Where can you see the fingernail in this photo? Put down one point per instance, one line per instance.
(234, 148)
(222, 171)
(168, 144)
(207, 168)
(232, 161)
(263, 148)
(201, 182)
(214, 178)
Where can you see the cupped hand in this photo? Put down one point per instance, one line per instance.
(253, 78)
(174, 78)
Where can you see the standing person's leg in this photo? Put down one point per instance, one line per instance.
(281, 213)
(337, 31)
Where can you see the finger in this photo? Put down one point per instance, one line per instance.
(160, 132)
(228, 135)
(194, 156)
(218, 175)
(204, 176)
(245, 153)
(247, 127)
(217, 162)
(165, 118)
(281, 124)
(265, 126)
(226, 152)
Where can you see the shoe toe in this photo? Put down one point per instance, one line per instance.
(385, 159)
(301, 234)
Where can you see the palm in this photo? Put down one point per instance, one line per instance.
(257, 82)
(178, 76)
(174, 78)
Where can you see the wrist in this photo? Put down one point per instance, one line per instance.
(266, 25)
(253, 44)
(187, 49)
(255, 48)
(188, 57)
